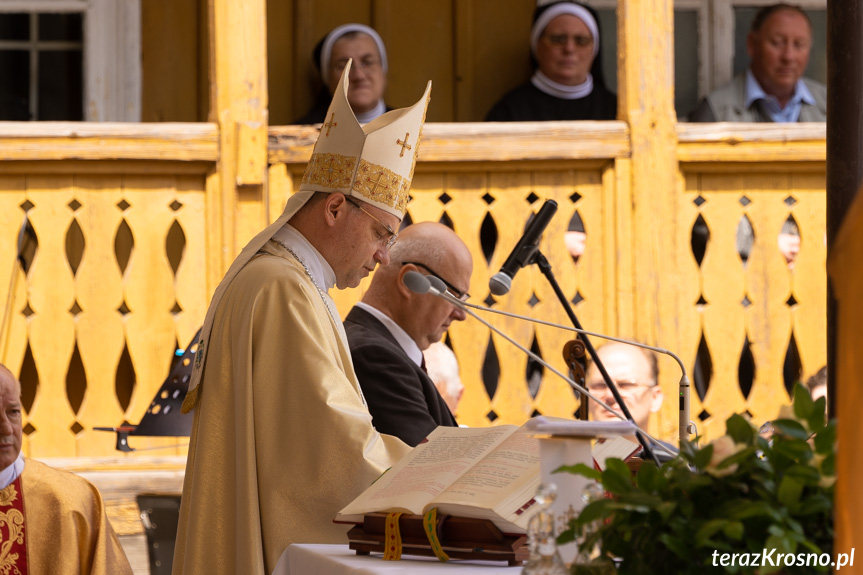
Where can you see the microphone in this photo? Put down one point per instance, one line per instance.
(524, 251)
(684, 424)
(419, 283)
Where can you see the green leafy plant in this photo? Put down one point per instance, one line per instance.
(741, 494)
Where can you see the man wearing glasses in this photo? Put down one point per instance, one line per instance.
(635, 371)
(389, 329)
(282, 438)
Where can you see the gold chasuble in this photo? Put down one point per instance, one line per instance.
(281, 438)
(53, 522)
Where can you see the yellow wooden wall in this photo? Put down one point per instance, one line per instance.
(472, 50)
(175, 80)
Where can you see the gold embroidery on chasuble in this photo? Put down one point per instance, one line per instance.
(330, 170)
(13, 550)
(382, 185)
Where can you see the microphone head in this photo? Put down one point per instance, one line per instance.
(417, 282)
(500, 283)
(436, 283)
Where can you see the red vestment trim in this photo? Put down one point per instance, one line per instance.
(13, 544)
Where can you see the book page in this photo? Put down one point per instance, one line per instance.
(510, 465)
(619, 447)
(500, 487)
(428, 469)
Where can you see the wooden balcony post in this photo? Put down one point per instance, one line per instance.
(646, 102)
(237, 205)
(843, 266)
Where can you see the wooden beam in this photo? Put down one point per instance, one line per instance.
(24, 141)
(484, 142)
(238, 47)
(646, 102)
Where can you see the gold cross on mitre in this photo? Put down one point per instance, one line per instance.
(330, 124)
(404, 144)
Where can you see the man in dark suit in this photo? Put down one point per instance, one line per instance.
(388, 330)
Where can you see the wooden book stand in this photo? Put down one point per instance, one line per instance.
(460, 537)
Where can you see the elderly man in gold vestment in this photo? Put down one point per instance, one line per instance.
(52, 522)
(282, 438)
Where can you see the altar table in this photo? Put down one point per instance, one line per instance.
(308, 559)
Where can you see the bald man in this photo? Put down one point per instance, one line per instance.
(389, 329)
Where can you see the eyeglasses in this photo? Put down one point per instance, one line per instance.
(393, 235)
(369, 63)
(624, 387)
(454, 291)
(560, 40)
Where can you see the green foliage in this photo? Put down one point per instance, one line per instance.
(739, 494)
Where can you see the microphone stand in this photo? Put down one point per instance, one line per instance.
(545, 268)
(418, 283)
(24, 234)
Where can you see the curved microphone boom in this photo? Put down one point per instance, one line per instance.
(524, 252)
(684, 423)
(25, 237)
(684, 385)
(421, 284)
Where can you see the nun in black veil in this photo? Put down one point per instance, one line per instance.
(567, 83)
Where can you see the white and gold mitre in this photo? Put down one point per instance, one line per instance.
(374, 162)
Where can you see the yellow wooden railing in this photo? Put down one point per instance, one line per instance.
(473, 174)
(129, 249)
(119, 267)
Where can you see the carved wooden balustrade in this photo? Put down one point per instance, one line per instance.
(129, 247)
(746, 318)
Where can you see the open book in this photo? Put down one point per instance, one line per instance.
(484, 473)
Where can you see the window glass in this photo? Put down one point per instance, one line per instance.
(14, 96)
(685, 61)
(685, 56)
(60, 27)
(14, 26)
(60, 89)
(54, 56)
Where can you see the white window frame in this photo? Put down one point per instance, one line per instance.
(112, 53)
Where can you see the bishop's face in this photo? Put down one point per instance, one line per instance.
(10, 418)
(364, 238)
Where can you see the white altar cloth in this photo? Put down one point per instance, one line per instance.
(308, 559)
